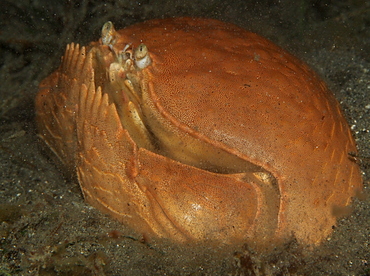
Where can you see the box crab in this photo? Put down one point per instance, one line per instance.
(195, 129)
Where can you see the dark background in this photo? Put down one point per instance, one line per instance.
(47, 229)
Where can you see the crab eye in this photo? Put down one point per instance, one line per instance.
(141, 56)
(108, 33)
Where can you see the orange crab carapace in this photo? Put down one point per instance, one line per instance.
(194, 129)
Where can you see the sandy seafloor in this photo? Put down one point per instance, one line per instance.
(46, 227)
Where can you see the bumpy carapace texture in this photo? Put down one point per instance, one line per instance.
(195, 129)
